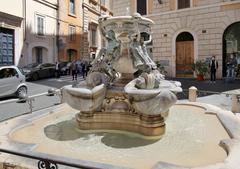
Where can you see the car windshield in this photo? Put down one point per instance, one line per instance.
(32, 65)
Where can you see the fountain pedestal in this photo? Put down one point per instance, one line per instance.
(124, 90)
(117, 113)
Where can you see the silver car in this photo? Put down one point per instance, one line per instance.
(12, 82)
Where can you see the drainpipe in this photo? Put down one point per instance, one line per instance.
(58, 31)
(25, 19)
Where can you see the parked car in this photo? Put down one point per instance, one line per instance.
(12, 81)
(36, 71)
(64, 68)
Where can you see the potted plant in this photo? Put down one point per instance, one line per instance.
(200, 68)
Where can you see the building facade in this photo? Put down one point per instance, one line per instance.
(189, 30)
(40, 31)
(70, 30)
(11, 32)
(46, 31)
(91, 39)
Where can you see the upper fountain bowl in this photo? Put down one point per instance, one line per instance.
(118, 32)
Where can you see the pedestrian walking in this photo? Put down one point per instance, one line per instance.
(57, 71)
(213, 65)
(74, 71)
(83, 70)
(88, 67)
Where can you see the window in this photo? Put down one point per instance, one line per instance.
(40, 25)
(184, 4)
(72, 33)
(103, 2)
(72, 7)
(94, 37)
(142, 7)
(93, 34)
(7, 72)
(39, 52)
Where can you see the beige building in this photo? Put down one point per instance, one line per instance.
(11, 32)
(91, 39)
(70, 30)
(40, 31)
(188, 30)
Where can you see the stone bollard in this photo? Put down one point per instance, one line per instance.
(192, 95)
(235, 103)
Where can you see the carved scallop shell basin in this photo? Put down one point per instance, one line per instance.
(192, 138)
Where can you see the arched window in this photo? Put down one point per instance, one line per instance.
(184, 36)
(184, 4)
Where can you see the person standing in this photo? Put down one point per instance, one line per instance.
(88, 67)
(213, 65)
(74, 71)
(83, 70)
(231, 67)
(57, 73)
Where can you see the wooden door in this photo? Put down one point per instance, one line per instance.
(6, 46)
(184, 58)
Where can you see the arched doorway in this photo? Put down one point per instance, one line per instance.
(231, 46)
(40, 55)
(184, 54)
(72, 55)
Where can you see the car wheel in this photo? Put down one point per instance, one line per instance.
(35, 76)
(21, 91)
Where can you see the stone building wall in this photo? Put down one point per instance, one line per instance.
(11, 17)
(120, 7)
(91, 11)
(47, 42)
(206, 20)
(66, 20)
(206, 2)
(207, 25)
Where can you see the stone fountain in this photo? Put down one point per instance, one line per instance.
(124, 89)
(125, 92)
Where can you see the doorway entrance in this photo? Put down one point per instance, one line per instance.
(184, 55)
(231, 47)
(72, 55)
(6, 46)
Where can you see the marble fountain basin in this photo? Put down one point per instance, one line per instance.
(153, 101)
(86, 99)
(198, 136)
